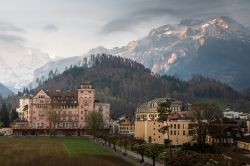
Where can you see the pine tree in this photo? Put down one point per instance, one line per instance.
(5, 115)
(13, 115)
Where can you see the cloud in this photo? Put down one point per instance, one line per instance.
(7, 38)
(175, 11)
(8, 27)
(51, 27)
(130, 21)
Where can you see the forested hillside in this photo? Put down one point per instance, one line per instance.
(126, 84)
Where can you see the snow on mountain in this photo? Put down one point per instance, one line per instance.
(179, 49)
(17, 64)
(163, 47)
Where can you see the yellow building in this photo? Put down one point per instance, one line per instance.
(180, 131)
(147, 125)
(244, 143)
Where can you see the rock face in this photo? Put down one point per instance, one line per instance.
(17, 64)
(217, 47)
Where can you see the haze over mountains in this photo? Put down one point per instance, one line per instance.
(17, 64)
(5, 91)
(217, 47)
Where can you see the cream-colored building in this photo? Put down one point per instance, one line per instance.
(147, 125)
(62, 109)
(126, 126)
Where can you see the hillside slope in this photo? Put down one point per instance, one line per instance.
(126, 84)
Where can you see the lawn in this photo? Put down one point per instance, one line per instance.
(84, 146)
(38, 151)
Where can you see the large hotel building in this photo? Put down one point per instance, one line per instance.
(147, 125)
(64, 111)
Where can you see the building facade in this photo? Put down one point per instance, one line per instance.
(181, 131)
(244, 143)
(62, 109)
(126, 126)
(147, 126)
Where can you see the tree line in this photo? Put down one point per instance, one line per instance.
(126, 84)
(7, 115)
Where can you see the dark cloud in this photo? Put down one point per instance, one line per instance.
(135, 18)
(7, 27)
(178, 10)
(51, 27)
(7, 38)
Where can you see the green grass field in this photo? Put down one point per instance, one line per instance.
(38, 151)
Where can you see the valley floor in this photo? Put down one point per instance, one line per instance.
(29, 151)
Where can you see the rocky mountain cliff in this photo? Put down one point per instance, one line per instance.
(217, 47)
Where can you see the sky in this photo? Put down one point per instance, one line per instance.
(65, 28)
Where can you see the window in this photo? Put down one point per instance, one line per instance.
(184, 132)
(174, 126)
(178, 126)
(174, 132)
(171, 132)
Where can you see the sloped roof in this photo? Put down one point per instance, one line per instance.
(63, 97)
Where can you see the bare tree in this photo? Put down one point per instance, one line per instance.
(154, 150)
(164, 110)
(54, 117)
(204, 113)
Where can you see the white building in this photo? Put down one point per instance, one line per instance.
(6, 131)
(23, 103)
(234, 115)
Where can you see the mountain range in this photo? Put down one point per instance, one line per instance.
(217, 47)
